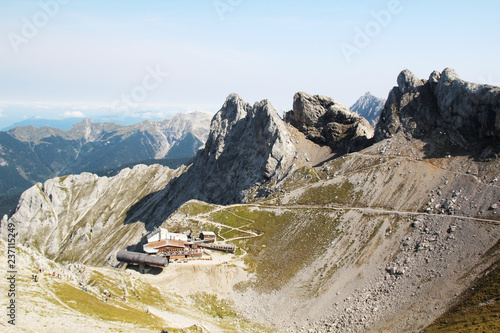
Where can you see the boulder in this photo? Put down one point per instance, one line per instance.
(327, 122)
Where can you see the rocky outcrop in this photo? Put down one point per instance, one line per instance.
(469, 113)
(327, 122)
(252, 144)
(369, 107)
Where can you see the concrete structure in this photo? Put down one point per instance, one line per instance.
(231, 248)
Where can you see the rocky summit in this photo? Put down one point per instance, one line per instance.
(369, 107)
(247, 146)
(468, 113)
(325, 121)
(250, 143)
(336, 228)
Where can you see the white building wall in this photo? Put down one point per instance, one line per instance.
(162, 234)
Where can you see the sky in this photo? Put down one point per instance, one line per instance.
(151, 59)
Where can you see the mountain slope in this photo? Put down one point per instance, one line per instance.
(53, 218)
(186, 147)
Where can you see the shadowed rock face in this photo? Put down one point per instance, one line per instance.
(469, 112)
(325, 121)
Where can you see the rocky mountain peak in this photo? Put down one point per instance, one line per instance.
(234, 108)
(87, 129)
(87, 122)
(369, 107)
(469, 113)
(308, 109)
(325, 121)
(449, 75)
(247, 146)
(366, 97)
(84, 124)
(407, 81)
(247, 141)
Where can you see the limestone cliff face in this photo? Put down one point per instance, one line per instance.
(325, 121)
(468, 112)
(249, 144)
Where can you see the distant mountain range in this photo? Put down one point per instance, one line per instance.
(67, 123)
(29, 154)
(369, 107)
(64, 124)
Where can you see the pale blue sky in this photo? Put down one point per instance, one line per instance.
(86, 55)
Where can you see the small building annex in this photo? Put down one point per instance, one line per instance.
(207, 236)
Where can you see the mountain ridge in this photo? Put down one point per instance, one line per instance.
(64, 124)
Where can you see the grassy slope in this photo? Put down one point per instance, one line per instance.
(90, 305)
(477, 309)
(287, 238)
